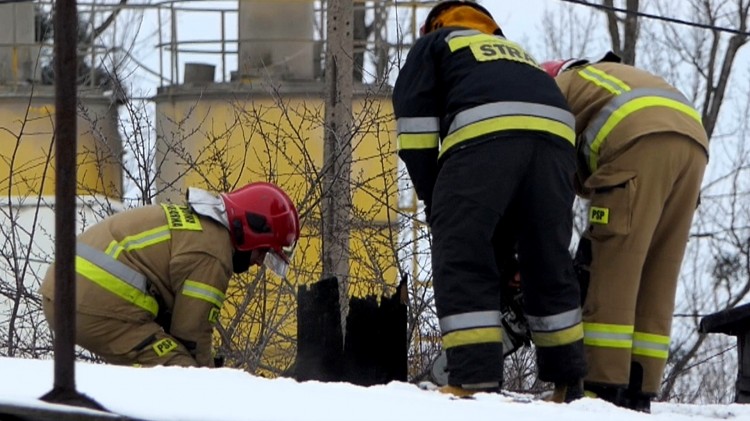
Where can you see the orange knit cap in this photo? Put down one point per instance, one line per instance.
(466, 17)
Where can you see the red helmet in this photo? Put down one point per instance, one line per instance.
(262, 216)
(555, 67)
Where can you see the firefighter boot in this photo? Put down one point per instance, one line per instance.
(567, 392)
(613, 394)
(637, 399)
(468, 390)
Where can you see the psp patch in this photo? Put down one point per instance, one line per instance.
(599, 215)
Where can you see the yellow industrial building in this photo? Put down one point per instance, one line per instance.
(264, 121)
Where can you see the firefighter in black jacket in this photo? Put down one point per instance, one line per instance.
(487, 138)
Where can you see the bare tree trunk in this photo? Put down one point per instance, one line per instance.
(337, 153)
(625, 45)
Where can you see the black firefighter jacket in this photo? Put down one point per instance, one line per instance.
(460, 87)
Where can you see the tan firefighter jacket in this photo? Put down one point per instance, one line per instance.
(614, 104)
(151, 261)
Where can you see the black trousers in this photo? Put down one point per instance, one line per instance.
(487, 197)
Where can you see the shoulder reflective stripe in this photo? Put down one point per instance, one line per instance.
(604, 80)
(406, 141)
(470, 320)
(203, 292)
(473, 337)
(139, 241)
(462, 33)
(510, 108)
(418, 125)
(115, 285)
(558, 338)
(650, 345)
(555, 322)
(620, 107)
(608, 335)
(181, 217)
(463, 41)
(499, 124)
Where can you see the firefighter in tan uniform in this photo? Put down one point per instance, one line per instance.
(642, 152)
(151, 280)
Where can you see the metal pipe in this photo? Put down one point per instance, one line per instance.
(65, 138)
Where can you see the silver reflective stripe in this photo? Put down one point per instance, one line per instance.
(470, 320)
(462, 33)
(113, 267)
(600, 120)
(608, 335)
(417, 125)
(508, 108)
(555, 322)
(650, 345)
(607, 83)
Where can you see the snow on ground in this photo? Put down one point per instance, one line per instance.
(201, 394)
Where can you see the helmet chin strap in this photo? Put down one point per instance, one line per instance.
(241, 261)
(208, 204)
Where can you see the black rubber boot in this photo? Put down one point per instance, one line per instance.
(637, 400)
(567, 392)
(614, 394)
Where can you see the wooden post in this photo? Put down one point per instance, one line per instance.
(336, 198)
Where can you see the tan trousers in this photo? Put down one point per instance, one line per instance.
(125, 343)
(647, 196)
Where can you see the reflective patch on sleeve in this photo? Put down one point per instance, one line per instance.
(180, 217)
(599, 215)
(203, 292)
(213, 315)
(164, 346)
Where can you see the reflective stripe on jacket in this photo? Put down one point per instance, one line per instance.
(460, 86)
(152, 260)
(615, 104)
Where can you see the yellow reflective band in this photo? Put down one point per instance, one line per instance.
(115, 285)
(608, 328)
(652, 353)
(213, 315)
(629, 108)
(651, 337)
(604, 80)
(138, 241)
(503, 123)
(460, 42)
(164, 346)
(599, 215)
(472, 337)
(608, 335)
(181, 217)
(417, 141)
(651, 345)
(203, 292)
(559, 338)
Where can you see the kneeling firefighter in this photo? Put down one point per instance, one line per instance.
(150, 281)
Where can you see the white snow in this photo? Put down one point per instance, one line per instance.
(224, 394)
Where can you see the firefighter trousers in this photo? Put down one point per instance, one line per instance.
(125, 343)
(524, 184)
(639, 221)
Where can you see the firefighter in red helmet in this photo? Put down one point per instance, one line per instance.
(487, 139)
(150, 281)
(642, 152)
